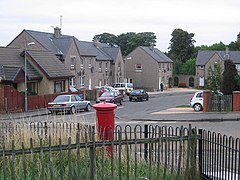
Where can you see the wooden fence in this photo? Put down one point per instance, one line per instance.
(13, 101)
(72, 151)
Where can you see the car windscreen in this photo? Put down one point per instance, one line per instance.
(129, 85)
(62, 99)
(136, 92)
(108, 94)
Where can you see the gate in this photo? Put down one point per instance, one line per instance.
(219, 156)
(220, 103)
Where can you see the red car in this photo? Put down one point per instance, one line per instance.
(110, 97)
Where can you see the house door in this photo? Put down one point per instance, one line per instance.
(160, 81)
(201, 81)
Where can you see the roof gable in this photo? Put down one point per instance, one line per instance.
(156, 54)
(13, 56)
(58, 45)
(49, 64)
(89, 49)
(204, 56)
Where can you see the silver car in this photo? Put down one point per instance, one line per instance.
(68, 103)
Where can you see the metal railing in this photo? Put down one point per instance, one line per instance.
(140, 152)
(74, 151)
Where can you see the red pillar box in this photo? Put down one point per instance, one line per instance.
(236, 101)
(105, 120)
(206, 95)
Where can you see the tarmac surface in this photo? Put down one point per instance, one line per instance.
(177, 114)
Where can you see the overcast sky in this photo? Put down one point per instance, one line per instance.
(211, 21)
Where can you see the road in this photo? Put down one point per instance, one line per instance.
(155, 111)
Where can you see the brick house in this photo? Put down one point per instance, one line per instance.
(148, 67)
(83, 59)
(206, 59)
(45, 73)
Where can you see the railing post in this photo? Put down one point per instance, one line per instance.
(200, 151)
(145, 144)
(92, 152)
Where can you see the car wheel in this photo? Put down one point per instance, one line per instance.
(73, 110)
(88, 107)
(147, 99)
(197, 107)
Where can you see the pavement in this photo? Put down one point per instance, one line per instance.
(172, 114)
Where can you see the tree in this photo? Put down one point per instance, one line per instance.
(181, 45)
(107, 38)
(187, 68)
(214, 79)
(128, 41)
(229, 83)
(234, 46)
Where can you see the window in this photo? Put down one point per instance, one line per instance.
(238, 68)
(100, 67)
(82, 81)
(59, 86)
(81, 63)
(138, 67)
(106, 68)
(72, 82)
(73, 62)
(32, 88)
(201, 67)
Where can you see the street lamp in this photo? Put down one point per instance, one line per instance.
(125, 71)
(25, 77)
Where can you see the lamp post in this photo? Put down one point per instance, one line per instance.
(125, 71)
(25, 77)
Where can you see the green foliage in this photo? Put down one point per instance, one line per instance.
(215, 47)
(127, 41)
(234, 46)
(181, 45)
(214, 79)
(187, 68)
(107, 38)
(230, 83)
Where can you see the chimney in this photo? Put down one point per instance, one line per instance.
(95, 41)
(57, 32)
(238, 37)
(227, 53)
(152, 46)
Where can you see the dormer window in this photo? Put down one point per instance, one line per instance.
(201, 67)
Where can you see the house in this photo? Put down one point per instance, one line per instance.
(148, 67)
(92, 63)
(100, 64)
(45, 73)
(206, 59)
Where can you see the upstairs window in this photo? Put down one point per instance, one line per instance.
(100, 67)
(73, 62)
(138, 67)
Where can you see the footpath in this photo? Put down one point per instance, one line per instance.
(172, 114)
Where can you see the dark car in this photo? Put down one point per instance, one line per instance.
(68, 103)
(110, 97)
(138, 95)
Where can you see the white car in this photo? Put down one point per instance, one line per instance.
(197, 101)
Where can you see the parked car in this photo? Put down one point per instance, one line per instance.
(124, 88)
(110, 97)
(197, 100)
(68, 103)
(138, 94)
